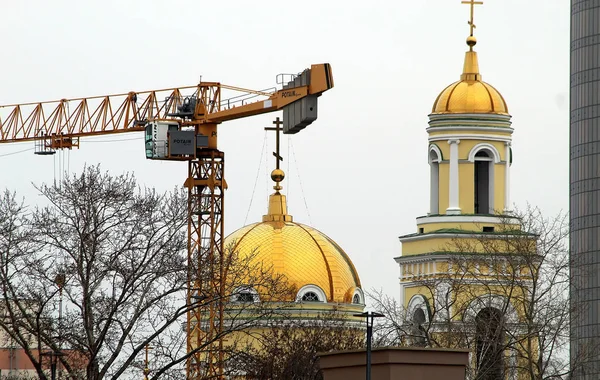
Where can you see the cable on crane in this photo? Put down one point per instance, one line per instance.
(267, 176)
(17, 152)
(115, 140)
(54, 168)
(289, 183)
(300, 181)
(262, 152)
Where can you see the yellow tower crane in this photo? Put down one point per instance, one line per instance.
(179, 124)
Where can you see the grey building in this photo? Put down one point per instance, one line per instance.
(585, 188)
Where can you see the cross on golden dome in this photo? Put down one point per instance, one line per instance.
(277, 175)
(471, 41)
(472, 3)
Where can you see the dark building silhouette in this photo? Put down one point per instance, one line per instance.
(585, 187)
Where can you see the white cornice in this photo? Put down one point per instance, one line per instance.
(470, 117)
(466, 219)
(427, 236)
(469, 136)
(469, 128)
(420, 258)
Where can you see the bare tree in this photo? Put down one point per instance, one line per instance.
(288, 350)
(502, 294)
(98, 274)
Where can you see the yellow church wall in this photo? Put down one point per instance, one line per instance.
(444, 147)
(433, 244)
(450, 242)
(499, 187)
(411, 291)
(466, 200)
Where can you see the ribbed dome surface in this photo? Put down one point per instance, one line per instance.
(303, 254)
(470, 97)
(470, 94)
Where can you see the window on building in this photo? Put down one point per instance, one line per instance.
(245, 297)
(483, 173)
(434, 167)
(245, 294)
(490, 344)
(310, 297)
(418, 331)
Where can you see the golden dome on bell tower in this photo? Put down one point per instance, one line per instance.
(470, 95)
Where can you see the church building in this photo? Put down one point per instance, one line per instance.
(455, 268)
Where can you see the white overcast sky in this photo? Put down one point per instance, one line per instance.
(363, 163)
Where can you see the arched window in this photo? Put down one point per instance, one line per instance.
(418, 330)
(435, 157)
(358, 297)
(245, 297)
(311, 293)
(310, 297)
(419, 314)
(489, 330)
(245, 294)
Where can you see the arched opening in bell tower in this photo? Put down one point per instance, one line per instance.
(484, 182)
(434, 191)
(490, 329)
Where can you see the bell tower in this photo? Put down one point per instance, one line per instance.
(443, 263)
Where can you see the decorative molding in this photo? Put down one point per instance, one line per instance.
(361, 295)
(438, 152)
(434, 180)
(469, 128)
(244, 289)
(418, 301)
(469, 136)
(311, 288)
(484, 146)
(475, 118)
(491, 300)
(410, 259)
(467, 219)
(467, 235)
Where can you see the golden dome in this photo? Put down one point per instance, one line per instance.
(470, 94)
(303, 254)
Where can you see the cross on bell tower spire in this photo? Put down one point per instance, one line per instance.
(471, 41)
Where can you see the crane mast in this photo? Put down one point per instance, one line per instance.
(179, 124)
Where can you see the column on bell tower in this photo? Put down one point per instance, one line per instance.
(453, 183)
